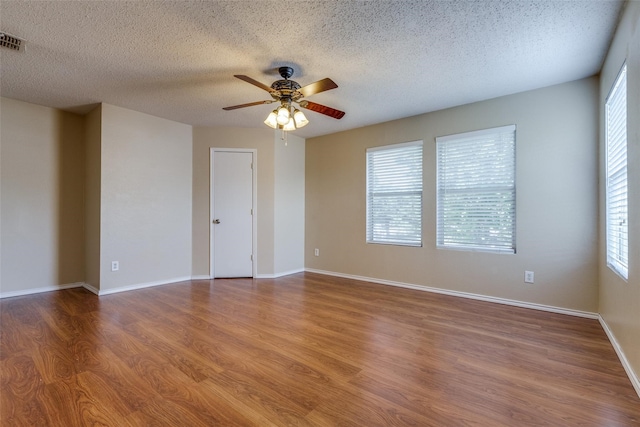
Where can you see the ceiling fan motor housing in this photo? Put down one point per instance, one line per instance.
(286, 89)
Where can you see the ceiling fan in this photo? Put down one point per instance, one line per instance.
(289, 92)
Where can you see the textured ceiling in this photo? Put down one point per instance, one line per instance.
(390, 59)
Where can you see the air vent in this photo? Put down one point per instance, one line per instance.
(11, 42)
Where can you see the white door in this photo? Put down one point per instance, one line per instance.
(232, 213)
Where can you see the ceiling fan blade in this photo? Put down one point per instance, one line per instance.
(250, 104)
(322, 109)
(317, 87)
(253, 82)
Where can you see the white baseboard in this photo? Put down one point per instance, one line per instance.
(101, 292)
(479, 297)
(91, 288)
(635, 381)
(258, 276)
(281, 274)
(19, 293)
(142, 285)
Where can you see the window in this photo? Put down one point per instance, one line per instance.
(476, 194)
(616, 187)
(394, 194)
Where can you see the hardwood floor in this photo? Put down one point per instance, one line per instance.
(306, 350)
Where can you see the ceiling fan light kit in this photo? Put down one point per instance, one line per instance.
(288, 92)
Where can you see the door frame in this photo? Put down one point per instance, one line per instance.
(254, 202)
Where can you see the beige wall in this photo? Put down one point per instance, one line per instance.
(289, 204)
(620, 299)
(137, 205)
(557, 181)
(42, 215)
(92, 192)
(262, 141)
(280, 194)
(145, 207)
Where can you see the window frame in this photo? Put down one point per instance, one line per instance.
(617, 258)
(472, 243)
(370, 235)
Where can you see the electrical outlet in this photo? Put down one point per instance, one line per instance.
(528, 277)
(316, 252)
(115, 266)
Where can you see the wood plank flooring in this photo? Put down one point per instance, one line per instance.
(303, 350)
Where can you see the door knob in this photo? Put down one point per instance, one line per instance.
(216, 221)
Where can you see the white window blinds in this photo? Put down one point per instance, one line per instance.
(394, 194)
(616, 187)
(476, 194)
